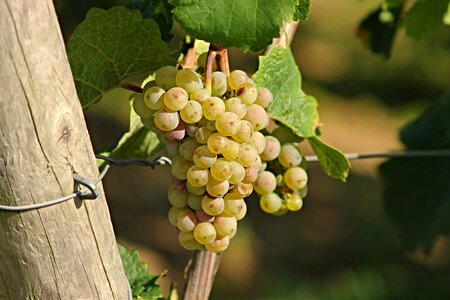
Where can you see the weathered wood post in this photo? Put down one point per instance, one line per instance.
(62, 251)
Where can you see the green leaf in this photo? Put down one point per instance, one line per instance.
(143, 285)
(332, 161)
(424, 19)
(379, 36)
(109, 46)
(158, 10)
(302, 10)
(138, 142)
(248, 25)
(417, 190)
(291, 106)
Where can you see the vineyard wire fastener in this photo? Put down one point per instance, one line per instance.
(89, 190)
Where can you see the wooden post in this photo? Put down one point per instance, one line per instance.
(64, 251)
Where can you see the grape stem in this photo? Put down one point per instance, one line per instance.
(131, 87)
(190, 58)
(287, 34)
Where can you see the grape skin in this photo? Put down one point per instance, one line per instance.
(235, 105)
(205, 233)
(270, 203)
(295, 178)
(188, 241)
(228, 124)
(212, 108)
(272, 148)
(213, 205)
(186, 220)
(289, 156)
(257, 116)
(218, 83)
(191, 112)
(197, 177)
(188, 80)
(217, 143)
(166, 119)
(176, 98)
(225, 225)
(165, 77)
(203, 157)
(218, 245)
(153, 97)
(237, 78)
(140, 108)
(266, 183)
(264, 97)
(247, 93)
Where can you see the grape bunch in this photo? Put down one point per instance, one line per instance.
(219, 155)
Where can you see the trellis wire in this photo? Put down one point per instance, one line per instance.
(86, 193)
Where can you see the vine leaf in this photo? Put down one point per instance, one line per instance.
(379, 36)
(294, 109)
(302, 10)
(424, 19)
(143, 285)
(331, 160)
(158, 10)
(110, 45)
(291, 106)
(138, 142)
(248, 25)
(417, 190)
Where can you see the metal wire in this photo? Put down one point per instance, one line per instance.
(88, 191)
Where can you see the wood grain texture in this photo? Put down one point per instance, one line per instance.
(67, 251)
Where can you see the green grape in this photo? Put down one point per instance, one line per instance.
(205, 233)
(195, 201)
(225, 225)
(294, 202)
(303, 192)
(270, 203)
(237, 173)
(264, 97)
(191, 129)
(219, 244)
(272, 148)
(282, 211)
(241, 213)
(201, 61)
(187, 148)
(213, 205)
(176, 98)
(192, 112)
(244, 133)
(188, 241)
(263, 166)
(202, 216)
(165, 77)
(186, 220)
(212, 108)
(289, 156)
(280, 181)
(188, 80)
(217, 143)
(166, 119)
(153, 97)
(235, 105)
(172, 147)
(180, 167)
(243, 189)
(258, 141)
(247, 155)
(203, 157)
(386, 16)
(197, 177)
(257, 116)
(177, 198)
(251, 173)
(266, 183)
(228, 124)
(202, 134)
(197, 191)
(217, 188)
(295, 178)
(211, 126)
(140, 108)
(173, 215)
(237, 78)
(234, 204)
(177, 134)
(231, 150)
(221, 170)
(247, 93)
(218, 83)
(200, 95)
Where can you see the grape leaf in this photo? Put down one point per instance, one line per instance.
(302, 10)
(110, 45)
(424, 19)
(158, 10)
(331, 160)
(143, 285)
(138, 142)
(248, 25)
(417, 190)
(291, 106)
(379, 36)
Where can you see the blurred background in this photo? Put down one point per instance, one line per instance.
(341, 245)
